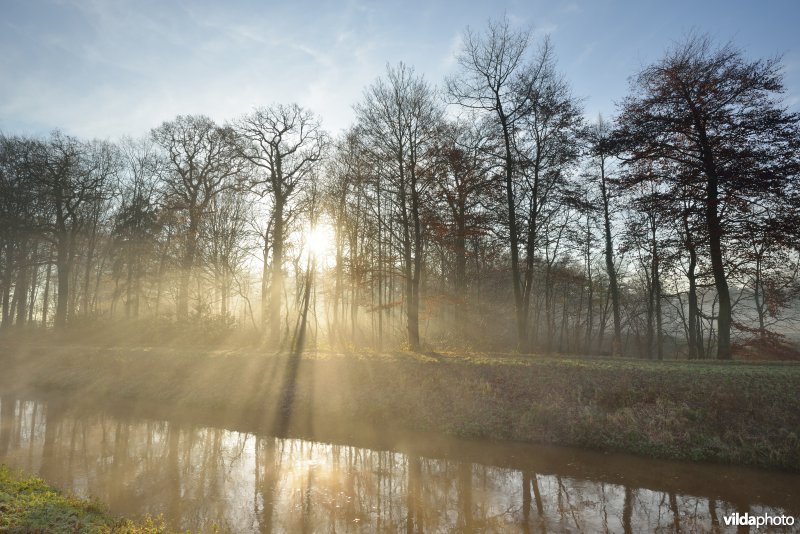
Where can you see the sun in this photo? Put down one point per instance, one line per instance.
(320, 241)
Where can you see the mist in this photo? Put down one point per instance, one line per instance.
(474, 308)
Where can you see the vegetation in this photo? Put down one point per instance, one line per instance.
(502, 222)
(702, 127)
(741, 413)
(27, 504)
(445, 265)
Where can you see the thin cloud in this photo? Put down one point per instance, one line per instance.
(105, 68)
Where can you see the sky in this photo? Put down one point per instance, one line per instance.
(106, 69)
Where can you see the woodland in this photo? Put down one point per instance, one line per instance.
(482, 213)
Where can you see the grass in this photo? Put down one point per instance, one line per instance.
(28, 505)
(735, 412)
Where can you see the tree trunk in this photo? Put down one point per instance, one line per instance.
(516, 279)
(355, 272)
(300, 338)
(460, 269)
(656, 280)
(413, 319)
(63, 270)
(6, 296)
(759, 298)
(21, 287)
(718, 269)
(46, 296)
(276, 282)
(129, 287)
(338, 295)
(34, 282)
(224, 290)
(715, 232)
(162, 269)
(186, 267)
(695, 349)
(265, 282)
(616, 342)
(381, 281)
(87, 274)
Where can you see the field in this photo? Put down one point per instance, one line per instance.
(737, 413)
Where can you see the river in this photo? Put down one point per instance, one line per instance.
(200, 477)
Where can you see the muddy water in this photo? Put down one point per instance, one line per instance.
(200, 477)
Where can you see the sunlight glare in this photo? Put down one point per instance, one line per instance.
(320, 241)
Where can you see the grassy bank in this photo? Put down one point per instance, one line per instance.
(27, 504)
(739, 413)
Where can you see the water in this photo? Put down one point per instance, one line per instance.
(200, 476)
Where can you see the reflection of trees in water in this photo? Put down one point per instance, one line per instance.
(465, 496)
(172, 472)
(199, 477)
(627, 511)
(414, 520)
(530, 485)
(53, 422)
(266, 478)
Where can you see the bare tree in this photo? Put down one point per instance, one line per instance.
(492, 65)
(547, 148)
(71, 179)
(224, 251)
(202, 161)
(599, 148)
(284, 144)
(21, 211)
(400, 117)
(135, 224)
(463, 189)
(536, 118)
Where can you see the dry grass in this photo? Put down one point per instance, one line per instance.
(741, 413)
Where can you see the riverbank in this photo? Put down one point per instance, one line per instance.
(734, 412)
(27, 504)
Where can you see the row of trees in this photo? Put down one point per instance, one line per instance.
(488, 214)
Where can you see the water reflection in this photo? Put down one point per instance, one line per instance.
(199, 477)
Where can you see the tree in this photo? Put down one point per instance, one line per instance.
(73, 178)
(284, 144)
(644, 221)
(202, 162)
(492, 66)
(224, 253)
(770, 271)
(536, 118)
(135, 226)
(349, 177)
(93, 248)
(598, 137)
(547, 146)
(20, 218)
(462, 188)
(714, 112)
(400, 118)
(690, 235)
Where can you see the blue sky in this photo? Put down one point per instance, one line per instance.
(104, 69)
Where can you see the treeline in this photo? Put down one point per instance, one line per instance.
(487, 214)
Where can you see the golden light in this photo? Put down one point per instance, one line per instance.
(320, 242)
